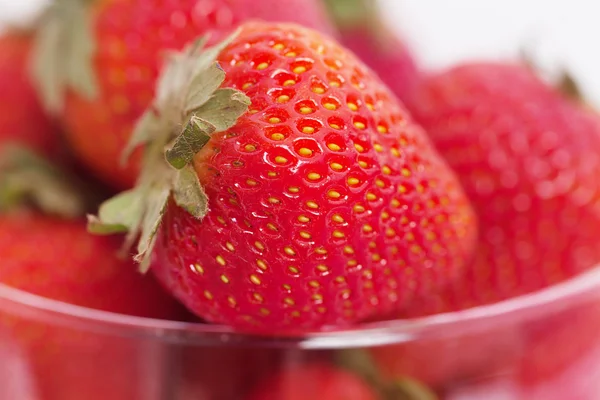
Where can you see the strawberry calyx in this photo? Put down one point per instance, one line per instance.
(401, 388)
(350, 13)
(28, 179)
(63, 53)
(188, 108)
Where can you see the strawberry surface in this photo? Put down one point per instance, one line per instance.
(22, 117)
(327, 204)
(131, 39)
(529, 160)
(314, 381)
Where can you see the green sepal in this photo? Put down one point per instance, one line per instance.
(408, 389)
(194, 137)
(120, 214)
(189, 194)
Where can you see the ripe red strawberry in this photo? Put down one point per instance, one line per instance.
(56, 258)
(323, 205)
(529, 159)
(314, 381)
(114, 62)
(363, 32)
(21, 115)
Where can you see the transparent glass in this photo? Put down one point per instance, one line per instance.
(542, 346)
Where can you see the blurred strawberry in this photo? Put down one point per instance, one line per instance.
(314, 381)
(328, 206)
(105, 56)
(54, 257)
(363, 31)
(21, 115)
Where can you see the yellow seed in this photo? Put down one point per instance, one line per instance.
(376, 257)
(250, 148)
(258, 297)
(208, 295)
(314, 284)
(259, 245)
(402, 189)
(305, 235)
(272, 226)
(279, 46)
(406, 172)
(304, 152)
(264, 311)
(358, 208)
(340, 279)
(382, 129)
(334, 194)
(221, 220)
(252, 111)
(272, 174)
(221, 260)
(312, 204)
(372, 245)
(261, 264)
(198, 268)
(359, 125)
(395, 203)
(284, 98)
(289, 301)
(330, 106)
(289, 82)
(335, 84)
(229, 246)
(317, 297)
(306, 110)
(380, 183)
(386, 170)
(321, 251)
(338, 234)
(313, 176)
(293, 270)
(352, 263)
(322, 268)
(363, 164)
(278, 136)
(289, 251)
(303, 219)
(333, 147)
(246, 85)
(274, 200)
(348, 250)
(395, 152)
(291, 54)
(308, 130)
(353, 181)
(274, 120)
(389, 232)
(359, 148)
(231, 301)
(371, 196)
(338, 218)
(352, 106)
(409, 237)
(370, 106)
(254, 279)
(299, 70)
(385, 215)
(287, 287)
(378, 148)
(281, 160)
(251, 182)
(318, 90)
(367, 228)
(262, 66)
(224, 279)
(336, 166)
(293, 189)
(334, 126)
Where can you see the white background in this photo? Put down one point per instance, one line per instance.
(558, 33)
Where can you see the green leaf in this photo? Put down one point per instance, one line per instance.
(194, 137)
(189, 194)
(409, 389)
(156, 204)
(120, 214)
(224, 108)
(360, 362)
(145, 130)
(203, 86)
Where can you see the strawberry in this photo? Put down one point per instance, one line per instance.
(106, 56)
(322, 205)
(363, 32)
(529, 160)
(314, 381)
(54, 257)
(21, 115)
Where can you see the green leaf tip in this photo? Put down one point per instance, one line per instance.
(190, 105)
(63, 53)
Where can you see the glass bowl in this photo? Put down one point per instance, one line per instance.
(541, 346)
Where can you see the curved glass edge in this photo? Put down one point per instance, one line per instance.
(519, 309)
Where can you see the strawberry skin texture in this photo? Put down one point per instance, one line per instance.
(529, 160)
(132, 39)
(22, 118)
(314, 381)
(58, 259)
(328, 205)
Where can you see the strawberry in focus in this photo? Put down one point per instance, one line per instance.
(22, 117)
(314, 381)
(363, 31)
(322, 205)
(98, 70)
(529, 160)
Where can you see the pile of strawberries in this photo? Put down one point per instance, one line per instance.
(273, 180)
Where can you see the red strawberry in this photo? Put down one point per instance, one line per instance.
(113, 62)
(363, 32)
(323, 205)
(56, 258)
(314, 381)
(21, 115)
(529, 159)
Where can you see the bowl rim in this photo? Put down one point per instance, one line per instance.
(512, 311)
